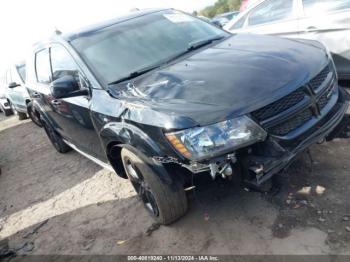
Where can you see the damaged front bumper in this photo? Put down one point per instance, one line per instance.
(259, 162)
(268, 158)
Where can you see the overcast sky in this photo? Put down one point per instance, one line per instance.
(23, 22)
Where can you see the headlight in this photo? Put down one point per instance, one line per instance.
(203, 142)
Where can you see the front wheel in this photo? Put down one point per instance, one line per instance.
(56, 140)
(166, 203)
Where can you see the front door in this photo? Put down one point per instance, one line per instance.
(73, 114)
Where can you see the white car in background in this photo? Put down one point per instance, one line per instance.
(327, 21)
(5, 106)
(16, 93)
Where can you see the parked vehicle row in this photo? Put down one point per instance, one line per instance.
(159, 96)
(15, 97)
(222, 19)
(5, 106)
(327, 21)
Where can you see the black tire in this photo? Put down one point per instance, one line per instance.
(165, 203)
(8, 112)
(56, 140)
(34, 116)
(22, 116)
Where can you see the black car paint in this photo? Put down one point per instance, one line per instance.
(242, 65)
(225, 80)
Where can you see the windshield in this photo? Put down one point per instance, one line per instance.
(130, 46)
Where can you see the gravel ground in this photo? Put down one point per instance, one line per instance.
(65, 204)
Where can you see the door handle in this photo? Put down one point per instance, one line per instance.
(35, 95)
(56, 102)
(311, 29)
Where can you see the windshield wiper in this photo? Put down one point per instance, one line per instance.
(203, 42)
(193, 46)
(135, 74)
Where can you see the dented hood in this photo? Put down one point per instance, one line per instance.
(234, 77)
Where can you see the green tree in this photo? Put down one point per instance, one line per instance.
(221, 6)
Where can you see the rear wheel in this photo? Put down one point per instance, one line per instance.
(56, 139)
(22, 116)
(165, 203)
(33, 115)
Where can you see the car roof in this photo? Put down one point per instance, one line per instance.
(95, 27)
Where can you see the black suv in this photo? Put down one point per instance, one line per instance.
(159, 95)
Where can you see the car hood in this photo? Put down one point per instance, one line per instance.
(234, 77)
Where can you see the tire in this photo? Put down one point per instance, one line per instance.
(56, 140)
(165, 203)
(22, 116)
(8, 112)
(33, 115)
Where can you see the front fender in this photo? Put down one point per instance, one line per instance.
(125, 133)
(134, 139)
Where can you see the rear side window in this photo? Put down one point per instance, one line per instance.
(316, 7)
(271, 11)
(42, 65)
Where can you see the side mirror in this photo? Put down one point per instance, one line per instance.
(13, 85)
(65, 86)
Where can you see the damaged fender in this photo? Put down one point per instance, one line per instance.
(128, 136)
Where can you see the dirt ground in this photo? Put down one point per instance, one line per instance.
(65, 204)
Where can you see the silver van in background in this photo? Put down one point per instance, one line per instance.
(327, 21)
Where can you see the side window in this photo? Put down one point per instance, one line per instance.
(271, 11)
(316, 7)
(63, 65)
(42, 65)
(239, 24)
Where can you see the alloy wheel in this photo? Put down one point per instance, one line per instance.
(141, 187)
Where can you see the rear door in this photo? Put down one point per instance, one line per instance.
(328, 21)
(274, 17)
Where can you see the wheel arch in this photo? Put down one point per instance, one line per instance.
(116, 136)
(113, 151)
